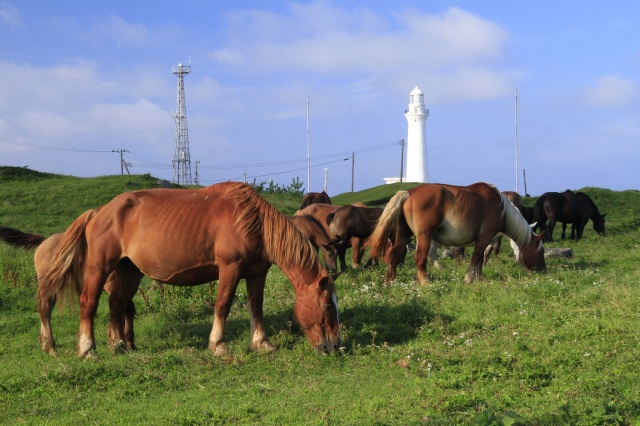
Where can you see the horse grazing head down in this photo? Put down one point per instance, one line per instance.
(317, 313)
(531, 256)
(598, 224)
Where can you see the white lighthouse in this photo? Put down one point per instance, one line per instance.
(416, 116)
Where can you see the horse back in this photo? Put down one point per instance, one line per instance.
(193, 230)
(455, 215)
(319, 211)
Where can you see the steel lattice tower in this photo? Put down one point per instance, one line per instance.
(182, 158)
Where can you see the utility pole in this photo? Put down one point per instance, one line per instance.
(196, 178)
(353, 163)
(123, 165)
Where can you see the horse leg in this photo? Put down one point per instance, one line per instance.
(89, 299)
(342, 250)
(433, 253)
(255, 294)
(122, 285)
(423, 248)
(474, 272)
(548, 235)
(580, 229)
(45, 308)
(227, 285)
(130, 312)
(356, 252)
(394, 256)
(564, 229)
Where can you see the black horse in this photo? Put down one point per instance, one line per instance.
(567, 207)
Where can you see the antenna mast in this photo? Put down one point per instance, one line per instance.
(182, 158)
(516, 140)
(308, 152)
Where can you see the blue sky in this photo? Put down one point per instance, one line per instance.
(80, 79)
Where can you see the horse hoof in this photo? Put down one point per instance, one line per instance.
(264, 347)
(50, 351)
(120, 347)
(219, 350)
(90, 354)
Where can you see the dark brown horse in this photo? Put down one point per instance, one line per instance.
(223, 232)
(314, 197)
(316, 234)
(453, 216)
(43, 256)
(353, 225)
(567, 207)
(320, 211)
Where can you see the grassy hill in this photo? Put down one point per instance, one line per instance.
(515, 348)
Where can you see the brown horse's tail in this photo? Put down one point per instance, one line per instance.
(386, 227)
(67, 266)
(20, 239)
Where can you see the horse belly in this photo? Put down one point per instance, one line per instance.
(176, 271)
(454, 233)
(191, 277)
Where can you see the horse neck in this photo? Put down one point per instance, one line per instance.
(516, 227)
(595, 213)
(301, 276)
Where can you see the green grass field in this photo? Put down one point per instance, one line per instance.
(515, 348)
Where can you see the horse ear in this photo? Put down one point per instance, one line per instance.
(604, 215)
(325, 280)
(329, 218)
(533, 225)
(539, 237)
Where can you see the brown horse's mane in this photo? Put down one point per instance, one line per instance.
(284, 245)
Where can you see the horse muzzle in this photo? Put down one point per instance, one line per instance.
(328, 346)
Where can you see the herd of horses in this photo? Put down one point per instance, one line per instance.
(227, 232)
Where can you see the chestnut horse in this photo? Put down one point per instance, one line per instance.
(453, 216)
(314, 197)
(223, 232)
(353, 224)
(42, 259)
(315, 233)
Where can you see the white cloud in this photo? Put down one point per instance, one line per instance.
(10, 16)
(613, 91)
(125, 33)
(321, 38)
(453, 55)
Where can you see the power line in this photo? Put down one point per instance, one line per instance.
(51, 148)
(138, 161)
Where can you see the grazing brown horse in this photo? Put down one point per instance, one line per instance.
(42, 259)
(453, 216)
(314, 197)
(315, 233)
(566, 207)
(320, 211)
(223, 232)
(353, 225)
